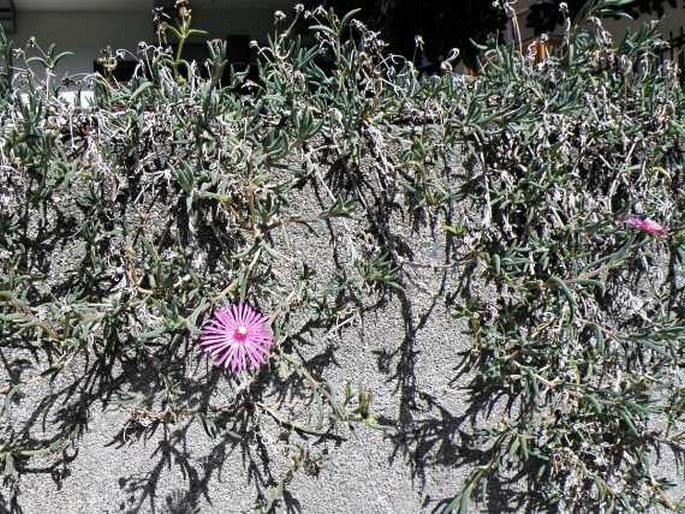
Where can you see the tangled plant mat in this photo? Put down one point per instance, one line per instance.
(341, 285)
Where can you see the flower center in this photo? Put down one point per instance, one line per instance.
(240, 333)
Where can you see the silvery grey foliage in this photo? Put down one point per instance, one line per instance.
(124, 223)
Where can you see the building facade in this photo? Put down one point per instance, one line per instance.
(86, 27)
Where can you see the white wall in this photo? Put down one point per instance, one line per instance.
(86, 33)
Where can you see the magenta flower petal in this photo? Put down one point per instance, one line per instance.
(648, 226)
(235, 335)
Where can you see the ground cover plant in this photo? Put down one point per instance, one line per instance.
(552, 181)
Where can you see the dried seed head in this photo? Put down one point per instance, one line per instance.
(184, 10)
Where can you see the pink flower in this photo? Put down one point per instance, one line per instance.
(235, 333)
(652, 228)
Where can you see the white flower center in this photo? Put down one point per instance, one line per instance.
(241, 330)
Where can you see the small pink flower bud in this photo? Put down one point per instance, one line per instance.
(648, 226)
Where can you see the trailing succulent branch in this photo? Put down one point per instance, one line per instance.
(129, 223)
